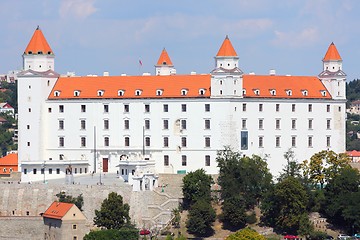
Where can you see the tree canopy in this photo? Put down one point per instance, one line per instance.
(201, 218)
(246, 233)
(78, 201)
(113, 234)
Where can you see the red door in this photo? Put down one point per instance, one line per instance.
(105, 164)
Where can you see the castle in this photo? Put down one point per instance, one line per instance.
(168, 122)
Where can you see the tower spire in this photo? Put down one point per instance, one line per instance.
(164, 66)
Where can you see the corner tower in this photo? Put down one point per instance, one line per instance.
(332, 75)
(164, 66)
(226, 78)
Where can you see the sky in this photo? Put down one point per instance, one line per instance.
(93, 36)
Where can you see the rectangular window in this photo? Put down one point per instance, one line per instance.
(28, 143)
(207, 142)
(310, 142)
(277, 141)
(183, 107)
(293, 124)
(42, 171)
(83, 141)
(261, 141)
(293, 107)
(58, 171)
(165, 124)
(126, 108)
(310, 107)
(83, 108)
(183, 124)
(244, 107)
(243, 123)
(126, 124)
(61, 141)
(74, 226)
(207, 124)
(310, 124)
(147, 124)
(61, 108)
(261, 124)
(207, 160)
(183, 142)
(49, 110)
(293, 141)
(260, 107)
(166, 160)
(28, 126)
(147, 141)
(328, 108)
(82, 124)
(106, 124)
(166, 108)
(147, 108)
(61, 156)
(207, 107)
(277, 124)
(61, 124)
(106, 108)
(244, 140)
(29, 109)
(50, 170)
(34, 171)
(106, 141)
(25, 171)
(183, 160)
(339, 109)
(127, 141)
(166, 141)
(277, 107)
(328, 124)
(328, 141)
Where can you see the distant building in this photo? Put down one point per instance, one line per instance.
(9, 164)
(64, 221)
(354, 107)
(7, 108)
(175, 122)
(354, 155)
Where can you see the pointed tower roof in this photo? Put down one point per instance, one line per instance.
(226, 49)
(332, 53)
(164, 59)
(38, 44)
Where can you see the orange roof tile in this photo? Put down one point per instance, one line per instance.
(353, 153)
(164, 59)
(282, 84)
(171, 86)
(57, 210)
(226, 49)
(10, 159)
(332, 53)
(38, 44)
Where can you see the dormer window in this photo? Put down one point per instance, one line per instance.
(288, 92)
(30, 52)
(159, 92)
(76, 93)
(323, 93)
(272, 92)
(304, 92)
(202, 91)
(184, 92)
(257, 92)
(121, 93)
(40, 52)
(100, 93)
(56, 93)
(138, 92)
(244, 91)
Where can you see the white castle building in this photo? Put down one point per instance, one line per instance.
(175, 123)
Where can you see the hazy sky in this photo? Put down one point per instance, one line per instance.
(93, 36)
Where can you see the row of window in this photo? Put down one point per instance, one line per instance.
(50, 170)
(293, 107)
(184, 160)
(293, 141)
(127, 108)
(278, 124)
(127, 141)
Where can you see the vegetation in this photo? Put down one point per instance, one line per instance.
(78, 201)
(246, 233)
(114, 234)
(200, 219)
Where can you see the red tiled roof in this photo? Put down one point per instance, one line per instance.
(38, 44)
(332, 53)
(164, 59)
(10, 159)
(226, 49)
(282, 84)
(353, 153)
(57, 210)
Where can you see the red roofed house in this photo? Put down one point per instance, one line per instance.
(169, 122)
(64, 221)
(354, 155)
(9, 164)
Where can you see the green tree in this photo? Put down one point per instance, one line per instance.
(176, 217)
(292, 167)
(113, 234)
(246, 233)
(284, 207)
(78, 201)
(233, 213)
(113, 214)
(196, 185)
(200, 219)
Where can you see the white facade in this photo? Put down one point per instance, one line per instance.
(178, 134)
